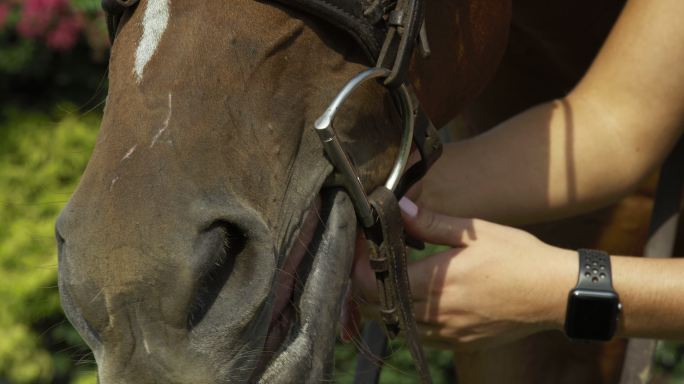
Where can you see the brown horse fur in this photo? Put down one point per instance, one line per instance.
(204, 172)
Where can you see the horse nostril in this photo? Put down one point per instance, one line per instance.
(60, 243)
(217, 247)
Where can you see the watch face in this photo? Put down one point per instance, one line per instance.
(592, 314)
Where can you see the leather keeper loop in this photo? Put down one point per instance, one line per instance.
(379, 265)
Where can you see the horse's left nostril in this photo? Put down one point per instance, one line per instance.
(217, 247)
(60, 244)
(59, 236)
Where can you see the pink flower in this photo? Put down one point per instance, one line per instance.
(36, 16)
(65, 35)
(41, 6)
(4, 11)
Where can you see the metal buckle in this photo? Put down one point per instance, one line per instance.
(339, 158)
(406, 25)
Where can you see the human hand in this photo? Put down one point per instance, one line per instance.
(496, 284)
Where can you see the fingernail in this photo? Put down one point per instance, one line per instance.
(408, 207)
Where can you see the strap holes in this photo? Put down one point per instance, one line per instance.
(602, 275)
(595, 279)
(587, 274)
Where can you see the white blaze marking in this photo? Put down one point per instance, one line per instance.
(164, 126)
(155, 20)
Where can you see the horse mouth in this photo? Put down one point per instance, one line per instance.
(289, 281)
(308, 291)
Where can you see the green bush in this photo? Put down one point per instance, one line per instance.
(41, 158)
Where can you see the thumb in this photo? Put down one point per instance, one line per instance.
(434, 227)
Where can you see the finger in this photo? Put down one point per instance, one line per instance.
(434, 227)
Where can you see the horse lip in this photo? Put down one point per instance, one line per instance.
(290, 278)
(291, 270)
(325, 276)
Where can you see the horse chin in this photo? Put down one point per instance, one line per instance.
(303, 333)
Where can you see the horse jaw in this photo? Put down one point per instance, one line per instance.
(309, 354)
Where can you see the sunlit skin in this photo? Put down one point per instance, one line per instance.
(601, 140)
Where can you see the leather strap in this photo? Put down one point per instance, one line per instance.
(404, 25)
(372, 356)
(429, 146)
(360, 19)
(388, 260)
(386, 30)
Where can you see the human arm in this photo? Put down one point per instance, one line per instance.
(583, 151)
(499, 283)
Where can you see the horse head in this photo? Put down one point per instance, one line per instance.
(199, 246)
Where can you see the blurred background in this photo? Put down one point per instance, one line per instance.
(53, 83)
(53, 61)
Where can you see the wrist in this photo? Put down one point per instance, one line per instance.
(559, 276)
(593, 306)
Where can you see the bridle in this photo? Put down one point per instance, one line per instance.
(387, 31)
(378, 213)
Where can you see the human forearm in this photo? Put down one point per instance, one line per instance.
(554, 160)
(652, 294)
(565, 157)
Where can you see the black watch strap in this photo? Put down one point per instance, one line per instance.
(594, 271)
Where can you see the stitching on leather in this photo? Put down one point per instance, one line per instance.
(367, 35)
(368, 29)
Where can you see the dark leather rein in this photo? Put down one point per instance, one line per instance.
(387, 31)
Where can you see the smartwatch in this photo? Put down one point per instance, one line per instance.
(593, 305)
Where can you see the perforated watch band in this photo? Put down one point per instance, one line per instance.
(595, 272)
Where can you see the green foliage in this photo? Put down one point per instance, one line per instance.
(669, 367)
(399, 368)
(41, 159)
(85, 5)
(15, 54)
(32, 73)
